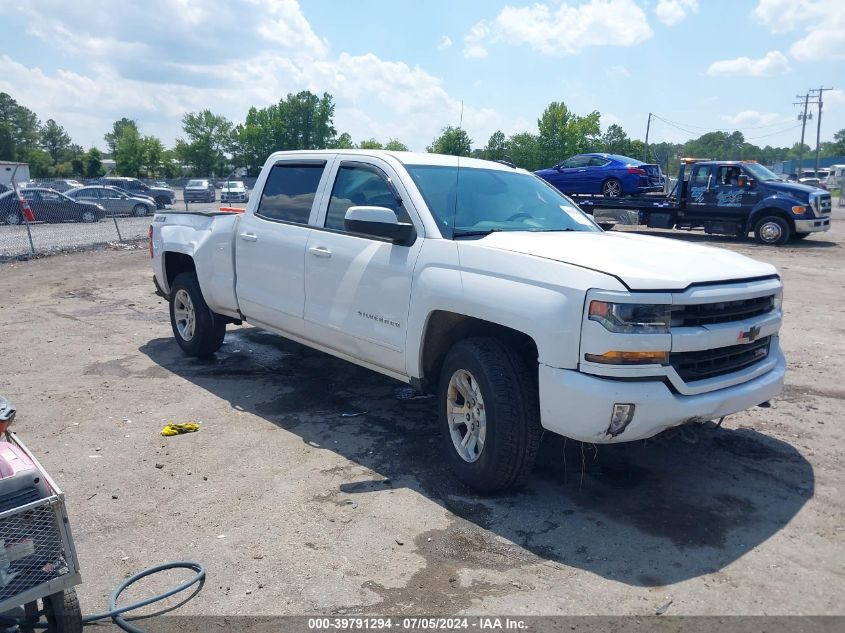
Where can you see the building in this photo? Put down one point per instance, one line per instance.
(19, 172)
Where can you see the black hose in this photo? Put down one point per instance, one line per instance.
(116, 613)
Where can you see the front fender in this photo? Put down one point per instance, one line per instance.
(778, 202)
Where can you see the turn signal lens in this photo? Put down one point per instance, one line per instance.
(629, 358)
(799, 210)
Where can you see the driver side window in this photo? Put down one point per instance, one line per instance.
(360, 185)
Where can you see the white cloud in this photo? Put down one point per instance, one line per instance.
(772, 63)
(445, 42)
(561, 29)
(673, 11)
(617, 71)
(752, 118)
(823, 22)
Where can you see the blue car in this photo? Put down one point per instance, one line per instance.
(609, 175)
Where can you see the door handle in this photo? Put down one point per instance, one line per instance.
(249, 237)
(320, 251)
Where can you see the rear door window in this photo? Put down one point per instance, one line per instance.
(290, 191)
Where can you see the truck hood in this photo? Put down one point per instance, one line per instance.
(795, 189)
(641, 262)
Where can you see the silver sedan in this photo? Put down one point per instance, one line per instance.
(116, 202)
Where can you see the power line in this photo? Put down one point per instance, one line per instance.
(747, 138)
(719, 129)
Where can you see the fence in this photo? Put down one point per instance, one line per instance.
(39, 238)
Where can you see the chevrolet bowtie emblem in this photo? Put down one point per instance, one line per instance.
(749, 336)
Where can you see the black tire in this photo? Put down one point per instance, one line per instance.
(139, 210)
(63, 612)
(208, 328)
(13, 218)
(161, 202)
(508, 388)
(771, 230)
(612, 188)
(800, 236)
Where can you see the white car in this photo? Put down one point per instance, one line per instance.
(234, 191)
(485, 285)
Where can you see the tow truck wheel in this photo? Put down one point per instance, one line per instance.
(611, 188)
(198, 330)
(489, 414)
(771, 230)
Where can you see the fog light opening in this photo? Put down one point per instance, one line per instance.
(620, 418)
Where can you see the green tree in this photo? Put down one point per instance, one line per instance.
(495, 148)
(524, 149)
(209, 136)
(370, 143)
(344, 141)
(55, 140)
(20, 129)
(153, 153)
(395, 145)
(563, 133)
(837, 147)
(616, 141)
(117, 129)
(40, 163)
(129, 152)
(93, 163)
(452, 140)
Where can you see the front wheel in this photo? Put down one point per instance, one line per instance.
(88, 217)
(63, 612)
(612, 188)
(14, 218)
(489, 414)
(198, 330)
(771, 230)
(161, 202)
(139, 210)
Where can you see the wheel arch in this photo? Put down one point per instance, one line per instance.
(443, 329)
(176, 263)
(767, 210)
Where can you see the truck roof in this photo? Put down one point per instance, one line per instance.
(408, 158)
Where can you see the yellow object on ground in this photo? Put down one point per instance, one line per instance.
(178, 429)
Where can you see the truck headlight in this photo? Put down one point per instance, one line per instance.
(632, 318)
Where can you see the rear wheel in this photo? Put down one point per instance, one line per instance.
(489, 414)
(611, 188)
(771, 230)
(14, 218)
(198, 330)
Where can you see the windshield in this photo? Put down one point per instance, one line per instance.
(760, 173)
(196, 183)
(479, 201)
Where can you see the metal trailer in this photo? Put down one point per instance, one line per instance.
(38, 561)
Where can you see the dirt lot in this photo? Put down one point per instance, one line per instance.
(297, 508)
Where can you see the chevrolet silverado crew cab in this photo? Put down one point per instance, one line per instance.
(484, 284)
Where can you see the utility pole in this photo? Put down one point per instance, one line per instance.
(819, 92)
(803, 118)
(647, 128)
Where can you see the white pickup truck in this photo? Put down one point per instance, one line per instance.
(483, 284)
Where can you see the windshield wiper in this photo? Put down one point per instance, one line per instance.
(547, 230)
(460, 233)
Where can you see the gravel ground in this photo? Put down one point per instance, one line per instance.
(316, 487)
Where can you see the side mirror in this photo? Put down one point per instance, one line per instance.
(379, 222)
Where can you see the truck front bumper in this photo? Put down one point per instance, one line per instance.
(813, 226)
(579, 406)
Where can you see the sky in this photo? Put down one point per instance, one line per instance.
(406, 69)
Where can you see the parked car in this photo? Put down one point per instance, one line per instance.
(161, 183)
(610, 175)
(234, 191)
(162, 195)
(115, 201)
(48, 205)
(56, 184)
(478, 282)
(200, 191)
(810, 181)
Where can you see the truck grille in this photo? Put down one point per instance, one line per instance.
(710, 363)
(722, 312)
(824, 204)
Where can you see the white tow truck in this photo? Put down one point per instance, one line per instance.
(485, 285)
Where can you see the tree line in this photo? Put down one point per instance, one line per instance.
(212, 145)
